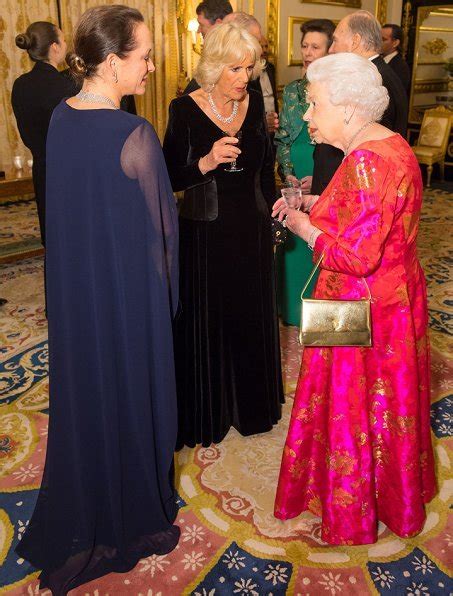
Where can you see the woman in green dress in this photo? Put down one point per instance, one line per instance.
(295, 161)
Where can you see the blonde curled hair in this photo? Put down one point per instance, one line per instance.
(224, 45)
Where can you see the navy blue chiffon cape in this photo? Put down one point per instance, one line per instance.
(107, 497)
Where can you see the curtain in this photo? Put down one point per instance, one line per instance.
(16, 15)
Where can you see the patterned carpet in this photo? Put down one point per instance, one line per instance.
(19, 233)
(230, 543)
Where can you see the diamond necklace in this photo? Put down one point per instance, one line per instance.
(355, 135)
(218, 115)
(89, 97)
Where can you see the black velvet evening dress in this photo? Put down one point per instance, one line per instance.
(226, 336)
(107, 497)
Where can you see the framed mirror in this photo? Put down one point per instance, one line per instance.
(433, 47)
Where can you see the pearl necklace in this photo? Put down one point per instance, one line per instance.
(354, 136)
(87, 96)
(218, 115)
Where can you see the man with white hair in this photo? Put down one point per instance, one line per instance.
(360, 33)
(247, 21)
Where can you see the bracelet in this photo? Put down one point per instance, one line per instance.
(312, 238)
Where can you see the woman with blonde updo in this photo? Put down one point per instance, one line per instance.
(34, 97)
(227, 345)
(107, 497)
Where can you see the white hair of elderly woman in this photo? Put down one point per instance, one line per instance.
(351, 80)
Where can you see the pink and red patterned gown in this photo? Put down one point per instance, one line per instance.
(358, 448)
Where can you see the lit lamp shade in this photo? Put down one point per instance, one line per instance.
(192, 26)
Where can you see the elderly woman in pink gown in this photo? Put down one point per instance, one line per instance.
(359, 446)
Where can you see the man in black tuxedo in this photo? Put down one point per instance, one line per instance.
(209, 14)
(392, 36)
(360, 33)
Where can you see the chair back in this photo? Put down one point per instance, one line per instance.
(435, 129)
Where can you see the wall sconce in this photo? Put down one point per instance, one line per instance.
(192, 27)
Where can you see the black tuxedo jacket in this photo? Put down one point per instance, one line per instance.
(395, 116)
(401, 68)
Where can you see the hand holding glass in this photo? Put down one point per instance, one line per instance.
(292, 181)
(293, 197)
(233, 167)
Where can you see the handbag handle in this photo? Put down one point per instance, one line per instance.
(315, 268)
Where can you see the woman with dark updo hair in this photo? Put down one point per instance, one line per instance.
(34, 97)
(107, 497)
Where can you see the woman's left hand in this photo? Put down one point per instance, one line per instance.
(279, 208)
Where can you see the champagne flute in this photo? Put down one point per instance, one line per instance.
(233, 166)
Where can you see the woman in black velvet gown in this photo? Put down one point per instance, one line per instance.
(226, 336)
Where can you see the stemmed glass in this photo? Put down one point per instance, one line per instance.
(233, 166)
(292, 196)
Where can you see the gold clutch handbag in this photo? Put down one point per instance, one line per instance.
(334, 322)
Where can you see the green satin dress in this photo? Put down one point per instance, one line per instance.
(294, 156)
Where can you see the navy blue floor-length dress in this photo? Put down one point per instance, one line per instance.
(107, 497)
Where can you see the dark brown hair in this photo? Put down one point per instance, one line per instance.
(37, 40)
(214, 9)
(396, 34)
(101, 31)
(319, 26)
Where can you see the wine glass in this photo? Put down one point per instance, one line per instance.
(233, 166)
(292, 196)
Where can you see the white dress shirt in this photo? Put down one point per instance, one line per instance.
(268, 94)
(390, 56)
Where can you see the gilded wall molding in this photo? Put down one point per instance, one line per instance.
(347, 3)
(273, 23)
(381, 11)
(406, 24)
(430, 85)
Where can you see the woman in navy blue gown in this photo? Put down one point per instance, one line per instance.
(107, 497)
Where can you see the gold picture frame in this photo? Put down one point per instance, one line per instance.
(432, 46)
(348, 3)
(294, 38)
